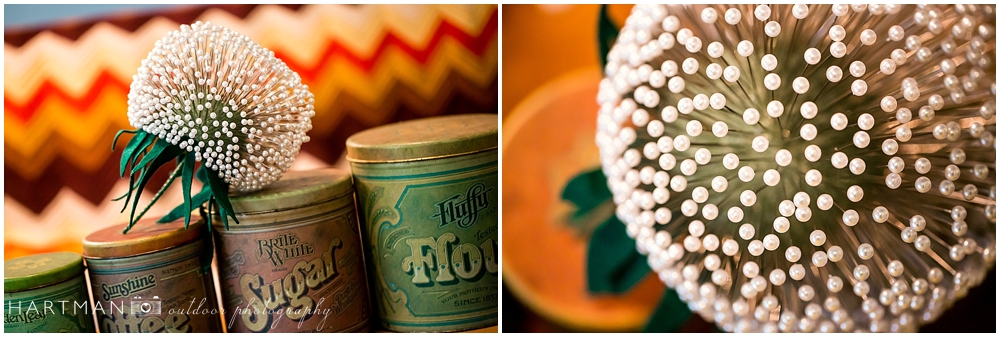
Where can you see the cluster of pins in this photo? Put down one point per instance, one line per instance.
(216, 93)
(799, 168)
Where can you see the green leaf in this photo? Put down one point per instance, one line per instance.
(613, 264)
(186, 174)
(140, 141)
(173, 176)
(207, 253)
(587, 190)
(202, 175)
(207, 211)
(607, 33)
(220, 190)
(153, 154)
(132, 188)
(670, 315)
(196, 201)
(132, 151)
(132, 185)
(222, 214)
(164, 156)
(120, 132)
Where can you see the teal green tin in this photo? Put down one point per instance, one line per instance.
(46, 293)
(428, 195)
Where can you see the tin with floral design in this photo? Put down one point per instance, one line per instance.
(427, 192)
(294, 261)
(46, 293)
(155, 278)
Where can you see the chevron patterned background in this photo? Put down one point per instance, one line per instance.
(66, 86)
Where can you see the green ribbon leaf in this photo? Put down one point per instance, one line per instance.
(225, 220)
(170, 180)
(132, 184)
(179, 211)
(613, 264)
(167, 153)
(587, 190)
(207, 253)
(140, 141)
(607, 33)
(152, 155)
(670, 315)
(186, 176)
(120, 132)
(220, 190)
(135, 147)
(202, 175)
(205, 211)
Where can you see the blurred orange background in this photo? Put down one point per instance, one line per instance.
(551, 73)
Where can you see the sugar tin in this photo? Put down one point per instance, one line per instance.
(294, 261)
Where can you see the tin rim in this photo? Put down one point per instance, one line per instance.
(425, 138)
(109, 243)
(71, 267)
(365, 161)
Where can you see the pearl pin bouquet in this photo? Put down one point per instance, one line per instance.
(211, 95)
(804, 168)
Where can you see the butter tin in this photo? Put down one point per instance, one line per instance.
(427, 195)
(46, 293)
(156, 278)
(294, 261)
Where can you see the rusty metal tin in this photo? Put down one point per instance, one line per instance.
(427, 191)
(294, 261)
(156, 278)
(46, 293)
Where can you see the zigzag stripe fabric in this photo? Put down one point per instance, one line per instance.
(66, 95)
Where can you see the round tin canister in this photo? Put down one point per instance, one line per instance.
(46, 293)
(155, 278)
(294, 262)
(427, 191)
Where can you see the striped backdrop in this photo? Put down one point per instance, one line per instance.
(66, 86)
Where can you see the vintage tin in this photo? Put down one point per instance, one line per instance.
(46, 293)
(427, 191)
(294, 261)
(156, 278)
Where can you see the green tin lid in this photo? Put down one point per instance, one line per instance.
(426, 138)
(40, 270)
(146, 236)
(295, 189)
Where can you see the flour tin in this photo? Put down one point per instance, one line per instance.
(427, 191)
(294, 262)
(156, 278)
(46, 293)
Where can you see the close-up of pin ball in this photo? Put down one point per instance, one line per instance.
(806, 168)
